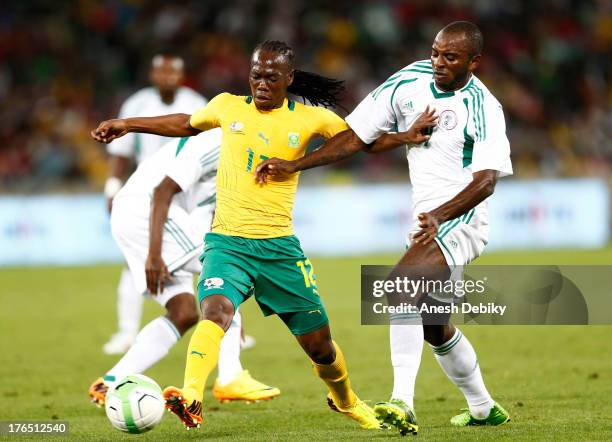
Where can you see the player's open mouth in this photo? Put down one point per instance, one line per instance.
(262, 97)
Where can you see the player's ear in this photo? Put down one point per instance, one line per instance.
(474, 62)
(290, 76)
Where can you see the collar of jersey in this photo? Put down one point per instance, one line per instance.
(437, 93)
(290, 104)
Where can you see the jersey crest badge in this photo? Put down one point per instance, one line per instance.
(448, 119)
(236, 127)
(294, 140)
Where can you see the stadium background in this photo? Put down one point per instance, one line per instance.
(66, 65)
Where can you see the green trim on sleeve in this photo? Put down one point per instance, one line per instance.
(419, 70)
(378, 91)
(480, 126)
(410, 80)
(388, 83)
(180, 145)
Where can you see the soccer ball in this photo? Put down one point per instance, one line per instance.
(135, 404)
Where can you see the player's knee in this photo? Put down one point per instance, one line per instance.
(218, 309)
(182, 311)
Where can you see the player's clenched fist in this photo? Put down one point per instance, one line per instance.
(108, 130)
(274, 167)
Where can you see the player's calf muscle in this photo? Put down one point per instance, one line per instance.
(321, 352)
(318, 346)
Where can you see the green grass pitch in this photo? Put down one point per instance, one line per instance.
(555, 381)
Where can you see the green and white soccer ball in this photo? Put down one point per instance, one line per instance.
(135, 405)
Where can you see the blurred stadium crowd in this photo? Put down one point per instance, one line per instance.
(66, 65)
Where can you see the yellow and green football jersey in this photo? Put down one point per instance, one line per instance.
(244, 207)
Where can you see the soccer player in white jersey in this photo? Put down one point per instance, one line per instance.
(453, 172)
(159, 220)
(166, 95)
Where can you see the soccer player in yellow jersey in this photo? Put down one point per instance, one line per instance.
(251, 249)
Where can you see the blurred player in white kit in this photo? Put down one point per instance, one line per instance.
(165, 96)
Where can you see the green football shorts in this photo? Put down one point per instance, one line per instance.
(275, 270)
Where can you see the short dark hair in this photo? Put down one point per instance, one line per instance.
(471, 33)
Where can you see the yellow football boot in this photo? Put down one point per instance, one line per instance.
(360, 412)
(244, 388)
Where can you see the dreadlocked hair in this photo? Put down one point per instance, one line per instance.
(315, 88)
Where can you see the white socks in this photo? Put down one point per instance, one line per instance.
(458, 360)
(406, 343)
(151, 345)
(129, 304)
(229, 354)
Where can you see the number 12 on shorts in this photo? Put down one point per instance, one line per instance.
(307, 272)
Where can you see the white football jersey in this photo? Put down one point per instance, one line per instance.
(191, 162)
(147, 103)
(470, 135)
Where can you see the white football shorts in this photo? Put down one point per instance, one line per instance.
(461, 241)
(181, 244)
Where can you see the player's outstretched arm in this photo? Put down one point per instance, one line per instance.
(337, 148)
(481, 187)
(416, 134)
(173, 125)
(155, 267)
(346, 144)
